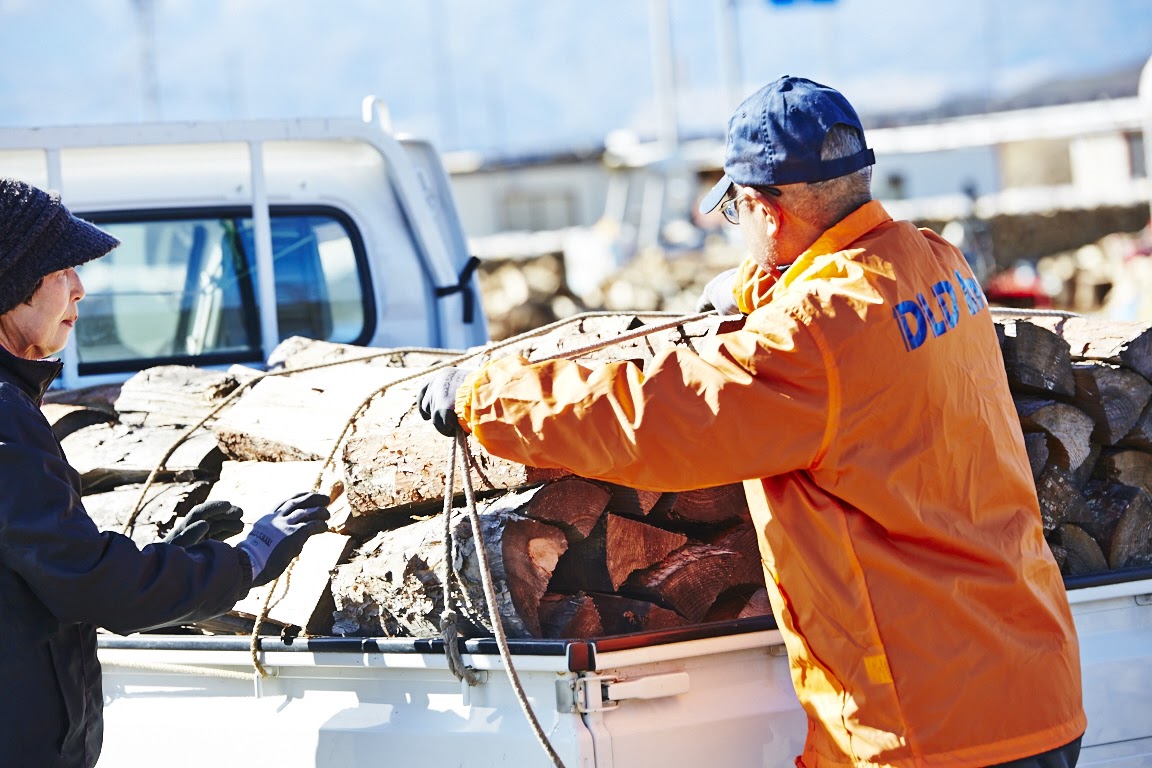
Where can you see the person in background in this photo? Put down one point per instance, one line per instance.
(61, 577)
(865, 407)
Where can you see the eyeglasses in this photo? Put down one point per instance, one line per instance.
(728, 205)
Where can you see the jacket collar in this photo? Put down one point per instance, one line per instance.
(32, 376)
(849, 229)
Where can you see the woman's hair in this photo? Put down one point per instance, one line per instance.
(28, 299)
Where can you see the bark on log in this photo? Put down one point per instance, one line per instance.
(173, 394)
(109, 455)
(615, 548)
(163, 505)
(1059, 498)
(1036, 444)
(1036, 360)
(1122, 522)
(1114, 397)
(66, 419)
(392, 473)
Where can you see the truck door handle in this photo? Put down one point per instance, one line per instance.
(651, 687)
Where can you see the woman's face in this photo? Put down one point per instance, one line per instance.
(40, 328)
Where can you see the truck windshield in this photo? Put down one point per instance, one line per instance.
(183, 289)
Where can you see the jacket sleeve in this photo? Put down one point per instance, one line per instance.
(84, 575)
(756, 405)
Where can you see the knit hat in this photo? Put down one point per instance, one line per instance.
(775, 137)
(38, 236)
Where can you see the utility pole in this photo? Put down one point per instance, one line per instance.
(729, 41)
(149, 77)
(660, 24)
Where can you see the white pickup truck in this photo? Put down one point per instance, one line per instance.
(239, 235)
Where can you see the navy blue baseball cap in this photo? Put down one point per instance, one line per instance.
(775, 137)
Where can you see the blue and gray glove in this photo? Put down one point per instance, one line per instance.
(719, 294)
(278, 537)
(211, 520)
(438, 399)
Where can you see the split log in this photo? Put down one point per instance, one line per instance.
(173, 394)
(631, 502)
(572, 504)
(615, 548)
(393, 584)
(163, 505)
(392, 473)
(258, 487)
(1140, 436)
(297, 352)
(1126, 466)
(1083, 554)
(1114, 397)
(708, 506)
(748, 570)
(622, 615)
(687, 581)
(1107, 341)
(109, 455)
(1068, 427)
(66, 419)
(301, 596)
(1122, 522)
(1036, 360)
(740, 603)
(569, 617)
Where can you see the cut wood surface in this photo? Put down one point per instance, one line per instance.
(1130, 467)
(298, 592)
(720, 504)
(569, 616)
(616, 547)
(687, 581)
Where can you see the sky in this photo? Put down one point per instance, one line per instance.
(514, 77)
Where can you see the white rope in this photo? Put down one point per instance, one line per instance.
(460, 442)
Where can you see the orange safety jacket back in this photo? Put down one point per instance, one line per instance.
(864, 404)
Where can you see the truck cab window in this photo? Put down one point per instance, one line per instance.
(184, 289)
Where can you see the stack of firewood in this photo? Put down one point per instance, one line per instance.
(569, 556)
(1082, 392)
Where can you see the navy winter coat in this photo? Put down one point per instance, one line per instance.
(60, 578)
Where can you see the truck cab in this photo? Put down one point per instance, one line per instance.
(235, 236)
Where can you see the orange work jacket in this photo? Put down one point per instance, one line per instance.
(865, 407)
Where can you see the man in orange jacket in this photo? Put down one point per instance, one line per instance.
(865, 408)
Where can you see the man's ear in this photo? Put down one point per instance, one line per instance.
(770, 209)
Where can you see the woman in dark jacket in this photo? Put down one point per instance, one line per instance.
(61, 577)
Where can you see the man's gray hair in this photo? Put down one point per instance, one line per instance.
(826, 202)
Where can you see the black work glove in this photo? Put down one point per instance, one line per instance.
(718, 294)
(211, 520)
(279, 536)
(438, 399)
